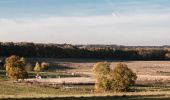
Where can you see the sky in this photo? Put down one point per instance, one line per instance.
(121, 22)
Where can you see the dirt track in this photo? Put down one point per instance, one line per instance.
(147, 79)
(77, 80)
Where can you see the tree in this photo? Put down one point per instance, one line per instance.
(23, 60)
(122, 78)
(118, 80)
(167, 56)
(37, 68)
(102, 70)
(14, 66)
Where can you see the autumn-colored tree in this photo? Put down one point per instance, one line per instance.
(37, 68)
(14, 66)
(118, 80)
(167, 56)
(122, 78)
(101, 71)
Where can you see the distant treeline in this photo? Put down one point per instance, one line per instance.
(84, 51)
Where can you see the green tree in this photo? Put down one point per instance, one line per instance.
(118, 80)
(14, 66)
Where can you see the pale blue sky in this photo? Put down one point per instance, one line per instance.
(124, 22)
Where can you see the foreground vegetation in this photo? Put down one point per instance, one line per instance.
(95, 98)
(20, 90)
(118, 79)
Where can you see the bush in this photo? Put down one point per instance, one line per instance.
(14, 66)
(45, 66)
(29, 67)
(118, 80)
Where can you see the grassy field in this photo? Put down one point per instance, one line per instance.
(85, 65)
(32, 74)
(51, 74)
(149, 71)
(95, 98)
(23, 91)
(33, 92)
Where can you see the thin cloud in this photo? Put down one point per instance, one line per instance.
(123, 29)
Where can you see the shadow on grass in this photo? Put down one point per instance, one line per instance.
(2, 74)
(59, 67)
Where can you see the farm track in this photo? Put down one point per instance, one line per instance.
(147, 79)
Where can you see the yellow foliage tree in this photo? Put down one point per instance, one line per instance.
(14, 66)
(101, 71)
(37, 68)
(118, 79)
(122, 78)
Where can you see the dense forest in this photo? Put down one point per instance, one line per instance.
(114, 52)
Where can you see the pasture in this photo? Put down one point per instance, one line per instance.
(153, 82)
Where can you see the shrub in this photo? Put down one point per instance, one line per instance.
(14, 66)
(45, 65)
(118, 80)
(29, 67)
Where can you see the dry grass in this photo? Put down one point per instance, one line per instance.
(149, 72)
(71, 80)
(141, 80)
(140, 67)
(20, 90)
(156, 72)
